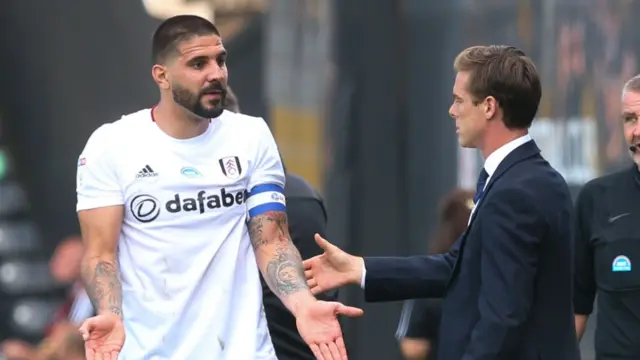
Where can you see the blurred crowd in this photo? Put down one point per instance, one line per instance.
(61, 341)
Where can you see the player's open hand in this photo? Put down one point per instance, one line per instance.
(319, 327)
(103, 337)
(333, 269)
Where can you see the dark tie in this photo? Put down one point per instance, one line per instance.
(482, 181)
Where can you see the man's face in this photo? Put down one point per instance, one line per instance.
(198, 77)
(470, 119)
(65, 262)
(631, 122)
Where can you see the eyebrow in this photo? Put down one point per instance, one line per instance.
(204, 57)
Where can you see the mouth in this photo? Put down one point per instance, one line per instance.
(210, 95)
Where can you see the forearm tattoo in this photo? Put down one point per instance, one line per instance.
(270, 238)
(103, 287)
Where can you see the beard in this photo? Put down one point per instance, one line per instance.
(193, 102)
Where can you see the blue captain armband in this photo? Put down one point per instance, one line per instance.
(265, 198)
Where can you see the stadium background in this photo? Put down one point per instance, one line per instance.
(356, 93)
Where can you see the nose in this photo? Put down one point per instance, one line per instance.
(216, 73)
(636, 130)
(452, 112)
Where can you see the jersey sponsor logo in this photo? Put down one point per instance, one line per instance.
(621, 263)
(230, 166)
(146, 208)
(146, 172)
(190, 172)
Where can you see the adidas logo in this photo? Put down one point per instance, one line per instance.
(146, 172)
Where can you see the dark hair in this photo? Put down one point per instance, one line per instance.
(455, 209)
(230, 101)
(175, 30)
(508, 75)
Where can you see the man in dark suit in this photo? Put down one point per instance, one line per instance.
(307, 216)
(507, 281)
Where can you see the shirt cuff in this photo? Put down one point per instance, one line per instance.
(364, 275)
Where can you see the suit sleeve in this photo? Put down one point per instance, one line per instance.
(511, 229)
(584, 278)
(398, 278)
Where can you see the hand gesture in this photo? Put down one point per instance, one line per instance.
(319, 328)
(333, 269)
(103, 337)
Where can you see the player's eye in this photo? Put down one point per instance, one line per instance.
(198, 65)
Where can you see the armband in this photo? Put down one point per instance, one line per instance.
(265, 198)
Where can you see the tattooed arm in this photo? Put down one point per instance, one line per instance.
(100, 233)
(278, 259)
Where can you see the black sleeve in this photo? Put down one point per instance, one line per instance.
(584, 278)
(420, 319)
(306, 218)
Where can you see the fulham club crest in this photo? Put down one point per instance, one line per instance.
(230, 166)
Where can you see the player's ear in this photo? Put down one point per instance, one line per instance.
(160, 76)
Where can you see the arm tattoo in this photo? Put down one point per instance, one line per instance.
(283, 270)
(104, 287)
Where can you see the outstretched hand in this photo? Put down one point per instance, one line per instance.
(319, 327)
(103, 337)
(333, 269)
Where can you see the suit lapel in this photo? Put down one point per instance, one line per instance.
(521, 153)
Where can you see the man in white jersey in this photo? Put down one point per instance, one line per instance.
(176, 204)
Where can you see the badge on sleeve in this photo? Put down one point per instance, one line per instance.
(621, 263)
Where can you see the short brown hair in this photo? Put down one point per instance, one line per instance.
(508, 75)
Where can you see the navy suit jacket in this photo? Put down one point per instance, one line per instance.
(507, 281)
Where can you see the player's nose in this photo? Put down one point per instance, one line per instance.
(216, 74)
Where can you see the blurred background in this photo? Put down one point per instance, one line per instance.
(356, 93)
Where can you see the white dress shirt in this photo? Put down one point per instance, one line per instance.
(491, 164)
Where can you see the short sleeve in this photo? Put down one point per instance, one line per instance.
(268, 167)
(420, 319)
(97, 182)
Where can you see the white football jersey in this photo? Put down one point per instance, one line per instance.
(190, 281)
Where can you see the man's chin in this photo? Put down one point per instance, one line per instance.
(464, 144)
(211, 113)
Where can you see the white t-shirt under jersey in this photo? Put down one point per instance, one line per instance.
(190, 282)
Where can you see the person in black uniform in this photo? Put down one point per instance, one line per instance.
(607, 247)
(420, 320)
(307, 216)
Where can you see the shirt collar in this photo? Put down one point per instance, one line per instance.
(495, 158)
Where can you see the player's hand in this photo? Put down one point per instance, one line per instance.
(103, 337)
(333, 269)
(319, 328)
